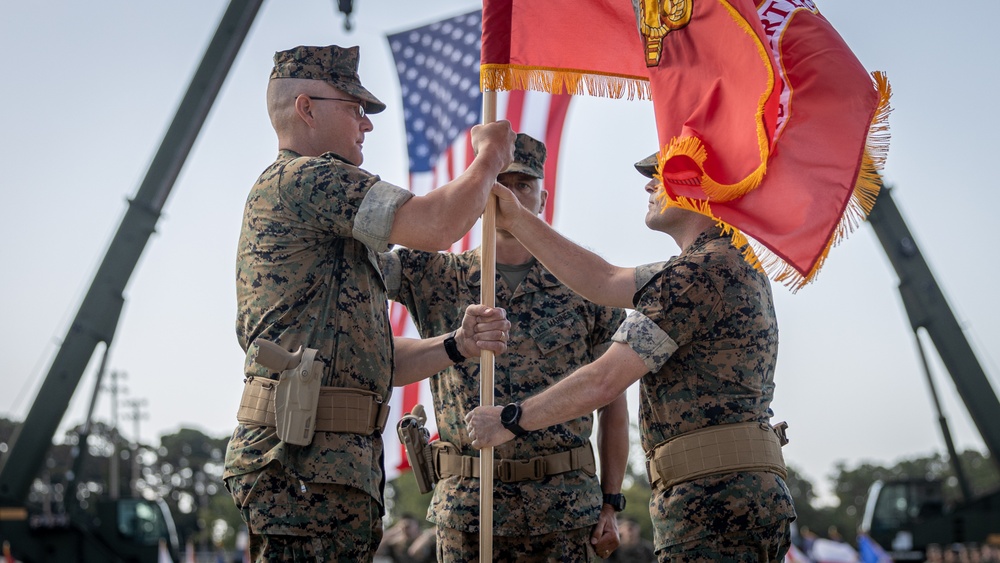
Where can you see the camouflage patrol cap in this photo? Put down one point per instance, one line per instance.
(529, 157)
(647, 166)
(337, 66)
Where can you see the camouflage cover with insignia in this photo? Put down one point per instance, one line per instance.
(304, 277)
(705, 324)
(553, 332)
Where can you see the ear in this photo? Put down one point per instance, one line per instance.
(303, 109)
(544, 196)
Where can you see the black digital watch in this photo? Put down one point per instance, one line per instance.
(510, 416)
(616, 501)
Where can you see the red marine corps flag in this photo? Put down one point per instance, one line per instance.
(766, 120)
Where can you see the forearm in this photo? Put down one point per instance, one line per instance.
(483, 328)
(434, 221)
(418, 359)
(583, 271)
(461, 202)
(613, 443)
(585, 390)
(581, 393)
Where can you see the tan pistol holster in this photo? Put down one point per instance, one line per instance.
(449, 461)
(416, 441)
(727, 448)
(298, 406)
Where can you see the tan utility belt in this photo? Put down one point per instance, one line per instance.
(728, 448)
(448, 462)
(340, 409)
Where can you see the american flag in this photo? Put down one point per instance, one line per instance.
(438, 68)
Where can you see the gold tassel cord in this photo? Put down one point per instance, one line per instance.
(556, 81)
(692, 147)
(862, 200)
(715, 190)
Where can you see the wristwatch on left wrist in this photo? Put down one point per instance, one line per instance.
(510, 416)
(616, 501)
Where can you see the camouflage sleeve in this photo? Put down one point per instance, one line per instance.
(682, 302)
(413, 264)
(608, 321)
(326, 196)
(391, 268)
(376, 214)
(647, 339)
(646, 272)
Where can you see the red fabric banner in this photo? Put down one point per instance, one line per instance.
(561, 46)
(767, 121)
(715, 94)
(821, 178)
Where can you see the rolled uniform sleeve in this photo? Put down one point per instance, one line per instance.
(647, 339)
(376, 214)
(674, 302)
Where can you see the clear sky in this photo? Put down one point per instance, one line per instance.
(92, 87)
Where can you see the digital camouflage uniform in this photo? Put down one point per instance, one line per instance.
(553, 332)
(307, 274)
(704, 323)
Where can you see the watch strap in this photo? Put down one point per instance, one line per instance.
(615, 501)
(516, 429)
(451, 347)
(513, 425)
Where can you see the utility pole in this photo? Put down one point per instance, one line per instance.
(114, 474)
(137, 415)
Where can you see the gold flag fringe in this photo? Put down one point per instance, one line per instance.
(866, 186)
(866, 189)
(556, 81)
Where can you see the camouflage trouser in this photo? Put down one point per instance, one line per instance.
(569, 546)
(763, 545)
(293, 521)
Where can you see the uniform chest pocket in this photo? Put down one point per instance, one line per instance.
(562, 329)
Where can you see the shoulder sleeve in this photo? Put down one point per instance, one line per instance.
(388, 263)
(608, 321)
(377, 213)
(672, 309)
(413, 266)
(646, 272)
(647, 339)
(334, 197)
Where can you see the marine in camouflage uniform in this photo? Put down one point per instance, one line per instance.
(553, 332)
(703, 339)
(307, 275)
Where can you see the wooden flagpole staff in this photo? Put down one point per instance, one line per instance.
(487, 297)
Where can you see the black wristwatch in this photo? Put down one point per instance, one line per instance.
(617, 501)
(451, 347)
(510, 416)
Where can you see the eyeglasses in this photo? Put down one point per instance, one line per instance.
(361, 107)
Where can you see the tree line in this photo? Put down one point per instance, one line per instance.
(185, 470)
